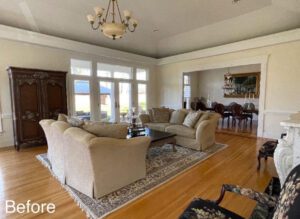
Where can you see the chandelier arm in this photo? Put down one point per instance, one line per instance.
(96, 27)
(121, 19)
(106, 16)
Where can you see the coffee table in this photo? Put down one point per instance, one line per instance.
(159, 138)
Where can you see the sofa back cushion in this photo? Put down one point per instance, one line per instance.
(203, 116)
(107, 130)
(191, 119)
(160, 115)
(177, 117)
(62, 117)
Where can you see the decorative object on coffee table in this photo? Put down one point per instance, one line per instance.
(267, 150)
(136, 131)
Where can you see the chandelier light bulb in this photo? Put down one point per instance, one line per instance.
(134, 22)
(90, 18)
(127, 14)
(98, 11)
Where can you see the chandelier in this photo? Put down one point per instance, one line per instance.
(112, 24)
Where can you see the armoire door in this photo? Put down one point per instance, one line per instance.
(54, 97)
(29, 111)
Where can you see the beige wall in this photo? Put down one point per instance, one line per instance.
(28, 55)
(282, 85)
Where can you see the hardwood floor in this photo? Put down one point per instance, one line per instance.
(22, 177)
(244, 130)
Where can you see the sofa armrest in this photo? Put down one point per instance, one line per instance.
(117, 162)
(262, 198)
(144, 118)
(205, 133)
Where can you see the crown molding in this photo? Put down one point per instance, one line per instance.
(17, 34)
(269, 40)
(21, 35)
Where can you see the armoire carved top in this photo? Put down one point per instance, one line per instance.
(293, 121)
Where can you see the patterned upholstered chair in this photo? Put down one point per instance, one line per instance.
(286, 206)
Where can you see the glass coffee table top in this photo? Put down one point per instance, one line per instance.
(155, 135)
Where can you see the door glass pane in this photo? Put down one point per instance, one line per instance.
(142, 97)
(106, 101)
(80, 67)
(82, 99)
(124, 98)
(141, 74)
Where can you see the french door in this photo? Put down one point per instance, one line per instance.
(116, 100)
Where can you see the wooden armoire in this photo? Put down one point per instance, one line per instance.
(35, 95)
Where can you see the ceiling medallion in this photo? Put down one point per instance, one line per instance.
(112, 24)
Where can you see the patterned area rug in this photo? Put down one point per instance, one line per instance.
(162, 165)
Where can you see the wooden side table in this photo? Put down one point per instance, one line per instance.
(267, 150)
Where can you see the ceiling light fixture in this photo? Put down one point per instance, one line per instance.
(235, 1)
(113, 29)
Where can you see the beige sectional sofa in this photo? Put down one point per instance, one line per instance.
(196, 132)
(93, 165)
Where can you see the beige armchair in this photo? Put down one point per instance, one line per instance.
(97, 166)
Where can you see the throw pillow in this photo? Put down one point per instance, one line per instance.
(203, 116)
(75, 122)
(150, 115)
(62, 117)
(161, 115)
(191, 119)
(178, 116)
(107, 130)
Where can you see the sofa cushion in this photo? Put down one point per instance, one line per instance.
(62, 117)
(150, 113)
(158, 126)
(181, 130)
(203, 117)
(191, 119)
(161, 115)
(107, 130)
(177, 117)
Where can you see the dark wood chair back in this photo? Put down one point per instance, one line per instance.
(219, 108)
(237, 110)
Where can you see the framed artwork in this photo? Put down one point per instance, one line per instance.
(242, 85)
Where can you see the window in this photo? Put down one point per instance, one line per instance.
(114, 71)
(142, 97)
(106, 101)
(186, 79)
(82, 99)
(79, 67)
(104, 70)
(141, 74)
(186, 86)
(108, 93)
